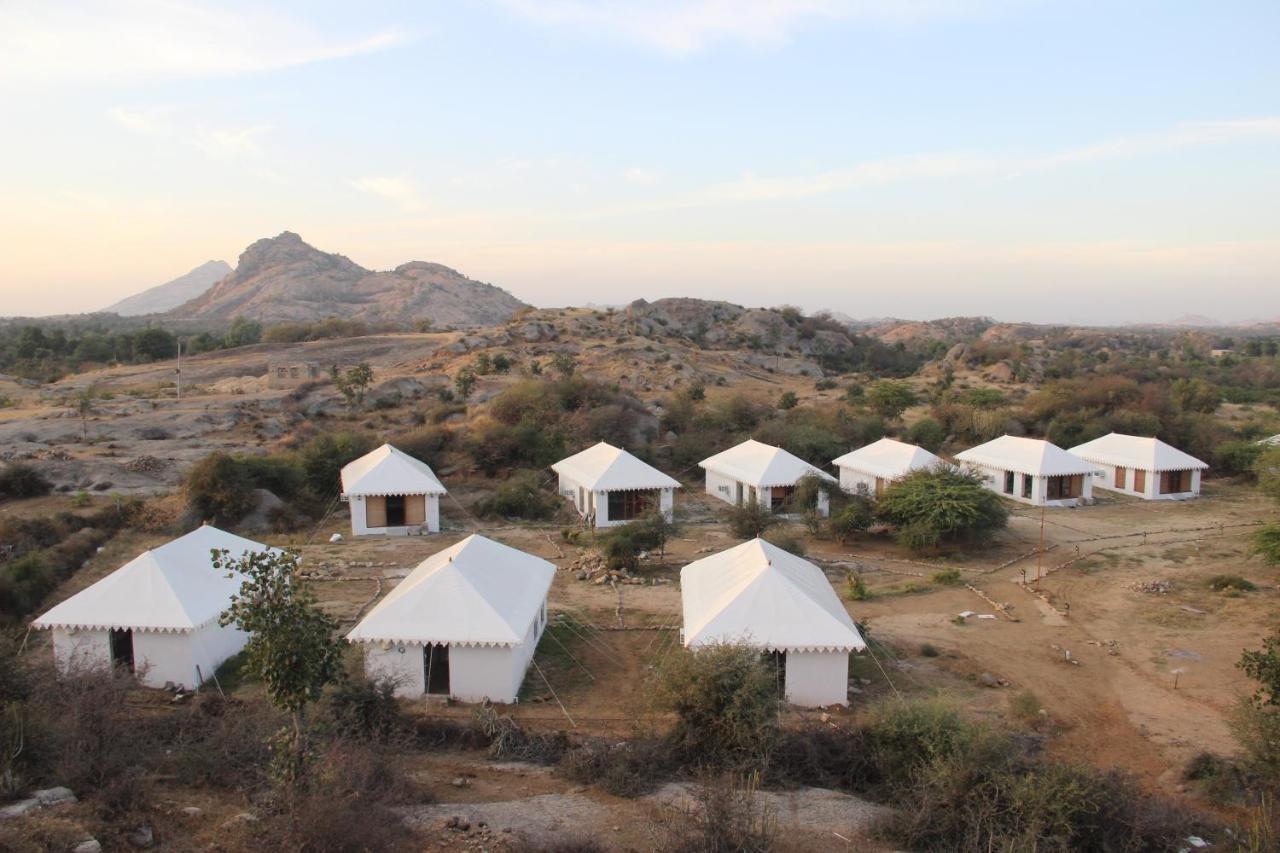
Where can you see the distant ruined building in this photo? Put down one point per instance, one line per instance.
(291, 374)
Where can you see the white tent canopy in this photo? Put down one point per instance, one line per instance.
(758, 594)
(477, 592)
(761, 465)
(888, 458)
(1033, 456)
(606, 468)
(1132, 451)
(172, 588)
(388, 471)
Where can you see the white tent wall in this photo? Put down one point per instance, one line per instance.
(399, 663)
(994, 479)
(360, 523)
(162, 657)
(853, 481)
(1151, 488)
(726, 489)
(817, 679)
(81, 651)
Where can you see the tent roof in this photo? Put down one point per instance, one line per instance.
(1134, 451)
(888, 457)
(478, 592)
(761, 465)
(388, 471)
(608, 468)
(759, 594)
(1027, 456)
(1273, 441)
(170, 588)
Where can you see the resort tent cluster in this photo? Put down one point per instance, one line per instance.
(465, 622)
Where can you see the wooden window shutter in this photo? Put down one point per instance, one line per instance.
(415, 509)
(1139, 480)
(375, 511)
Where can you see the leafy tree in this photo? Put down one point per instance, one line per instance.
(1267, 469)
(941, 505)
(242, 332)
(483, 364)
(154, 344)
(1263, 666)
(354, 383)
(1266, 544)
(464, 382)
(788, 400)
(890, 399)
(84, 409)
(521, 496)
(1236, 457)
(750, 519)
(501, 363)
(324, 456)
(293, 646)
(1195, 395)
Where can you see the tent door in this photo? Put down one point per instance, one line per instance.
(737, 496)
(776, 662)
(1122, 476)
(395, 510)
(122, 649)
(435, 669)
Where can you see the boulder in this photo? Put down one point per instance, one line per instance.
(54, 796)
(20, 808)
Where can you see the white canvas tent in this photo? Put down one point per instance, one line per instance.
(390, 492)
(464, 623)
(873, 467)
(1031, 470)
(753, 471)
(1143, 466)
(1273, 441)
(762, 596)
(157, 614)
(609, 486)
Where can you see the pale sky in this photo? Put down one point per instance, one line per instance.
(1045, 161)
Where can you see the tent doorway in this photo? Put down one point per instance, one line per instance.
(435, 669)
(122, 649)
(395, 510)
(776, 662)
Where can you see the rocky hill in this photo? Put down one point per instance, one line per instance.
(167, 296)
(283, 279)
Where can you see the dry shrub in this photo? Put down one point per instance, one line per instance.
(722, 815)
(223, 742)
(625, 769)
(508, 742)
(559, 845)
(40, 833)
(823, 757)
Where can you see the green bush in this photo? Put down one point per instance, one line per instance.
(1236, 457)
(18, 480)
(219, 489)
(1266, 543)
(520, 496)
(853, 518)
(1267, 469)
(324, 456)
(927, 433)
(941, 505)
(945, 577)
(750, 519)
(856, 587)
(725, 701)
(788, 400)
(1230, 583)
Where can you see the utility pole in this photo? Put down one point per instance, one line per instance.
(179, 370)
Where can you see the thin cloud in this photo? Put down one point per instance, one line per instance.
(400, 190)
(150, 38)
(946, 166)
(225, 143)
(689, 26)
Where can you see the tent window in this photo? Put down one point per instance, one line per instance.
(1139, 480)
(435, 669)
(1121, 475)
(122, 649)
(1027, 481)
(1063, 488)
(1175, 482)
(779, 495)
(624, 506)
(1008, 482)
(395, 510)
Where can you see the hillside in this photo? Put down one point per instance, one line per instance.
(283, 279)
(167, 296)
